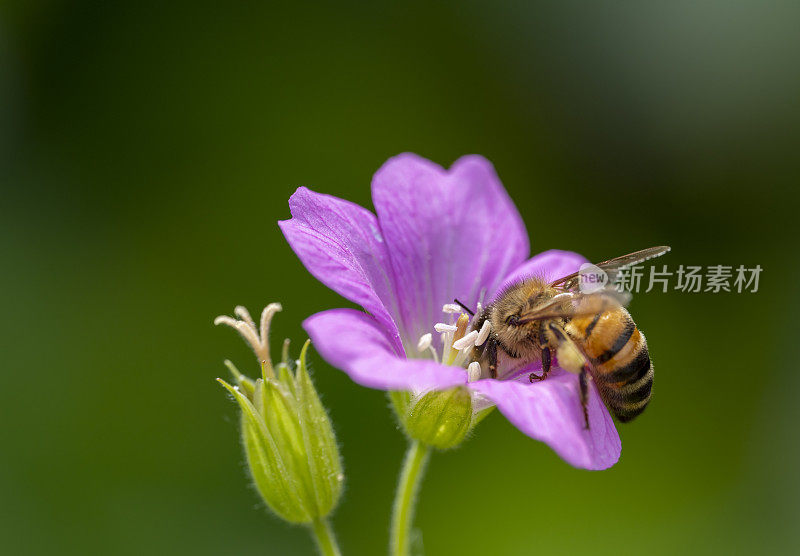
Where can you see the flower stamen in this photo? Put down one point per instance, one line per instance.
(474, 371)
(466, 342)
(460, 332)
(486, 327)
(457, 341)
(424, 342)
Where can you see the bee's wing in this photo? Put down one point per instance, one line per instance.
(579, 304)
(612, 266)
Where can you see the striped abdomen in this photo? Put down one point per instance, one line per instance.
(622, 369)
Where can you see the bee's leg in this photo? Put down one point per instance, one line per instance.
(491, 356)
(583, 379)
(547, 361)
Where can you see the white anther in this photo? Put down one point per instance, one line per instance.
(424, 342)
(442, 327)
(474, 371)
(467, 341)
(484, 333)
(452, 308)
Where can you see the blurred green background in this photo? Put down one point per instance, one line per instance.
(148, 149)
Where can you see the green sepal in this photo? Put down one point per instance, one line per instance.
(401, 401)
(438, 419)
(246, 384)
(272, 474)
(324, 461)
(281, 416)
(289, 442)
(286, 378)
(481, 415)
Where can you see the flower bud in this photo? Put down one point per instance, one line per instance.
(288, 440)
(440, 419)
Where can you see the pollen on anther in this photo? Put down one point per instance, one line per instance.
(424, 342)
(442, 327)
(451, 308)
(474, 371)
(484, 333)
(467, 341)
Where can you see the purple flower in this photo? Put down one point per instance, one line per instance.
(438, 235)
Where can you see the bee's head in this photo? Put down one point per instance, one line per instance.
(517, 313)
(516, 327)
(515, 334)
(512, 311)
(514, 320)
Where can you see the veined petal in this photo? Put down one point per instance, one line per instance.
(340, 244)
(550, 411)
(355, 343)
(449, 233)
(550, 265)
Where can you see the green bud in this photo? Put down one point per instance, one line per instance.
(438, 419)
(288, 439)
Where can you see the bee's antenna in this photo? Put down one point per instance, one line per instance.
(467, 309)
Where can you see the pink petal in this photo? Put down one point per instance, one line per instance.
(550, 265)
(450, 233)
(340, 243)
(550, 411)
(355, 343)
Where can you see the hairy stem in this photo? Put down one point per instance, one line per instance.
(326, 540)
(406, 498)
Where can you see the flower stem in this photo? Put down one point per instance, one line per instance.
(406, 497)
(326, 540)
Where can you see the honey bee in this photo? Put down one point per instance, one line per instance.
(592, 335)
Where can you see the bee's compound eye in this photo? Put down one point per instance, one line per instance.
(513, 320)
